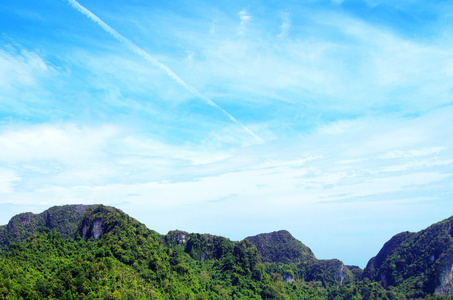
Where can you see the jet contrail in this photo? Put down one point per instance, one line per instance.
(133, 47)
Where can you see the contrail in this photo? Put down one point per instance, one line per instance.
(133, 47)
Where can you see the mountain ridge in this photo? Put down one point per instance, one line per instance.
(423, 259)
(411, 265)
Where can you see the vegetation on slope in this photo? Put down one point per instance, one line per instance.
(129, 261)
(109, 255)
(414, 263)
(281, 247)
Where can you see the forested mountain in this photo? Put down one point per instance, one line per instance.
(416, 264)
(281, 248)
(99, 252)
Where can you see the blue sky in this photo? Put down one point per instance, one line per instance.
(331, 119)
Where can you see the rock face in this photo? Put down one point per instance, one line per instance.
(92, 229)
(446, 279)
(96, 221)
(339, 275)
(424, 258)
(287, 278)
(177, 237)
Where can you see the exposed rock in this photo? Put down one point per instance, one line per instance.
(177, 237)
(92, 229)
(340, 275)
(93, 223)
(446, 279)
(287, 278)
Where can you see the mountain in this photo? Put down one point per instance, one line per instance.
(110, 255)
(64, 219)
(100, 252)
(416, 264)
(280, 247)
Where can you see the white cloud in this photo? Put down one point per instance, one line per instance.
(106, 163)
(21, 68)
(66, 143)
(413, 152)
(361, 67)
(285, 26)
(245, 18)
(23, 77)
(8, 179)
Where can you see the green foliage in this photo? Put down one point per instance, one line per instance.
(109, 255)
(414, 262)
(281, 247)
(129, 261)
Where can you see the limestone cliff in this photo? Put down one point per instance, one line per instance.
(97, 221)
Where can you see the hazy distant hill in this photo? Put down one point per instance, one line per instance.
(99, 252)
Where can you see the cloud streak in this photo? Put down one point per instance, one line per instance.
(139, 51)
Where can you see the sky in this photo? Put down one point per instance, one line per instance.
(330, 119)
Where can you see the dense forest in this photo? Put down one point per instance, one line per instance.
(99, 252)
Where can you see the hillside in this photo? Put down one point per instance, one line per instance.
(417, 264)
(113, 256)
(281, 247)
(99, 252)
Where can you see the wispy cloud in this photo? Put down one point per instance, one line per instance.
(285, 26)
(364, 67)
(22, 74)
(66, 143)
(133, 47)
(245, 18)
(20, 67)
(8, 179)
